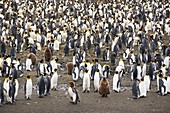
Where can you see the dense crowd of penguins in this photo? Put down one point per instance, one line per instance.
(123, 34)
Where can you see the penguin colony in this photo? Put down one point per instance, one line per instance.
(127, 37)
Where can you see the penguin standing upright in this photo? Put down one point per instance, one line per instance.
(6, 87)
(135, 89)
(104, 87)
(106, 71)
(54, 80)
(47, 55)
(75, 73)
(168, 84)
(147, 81)
(139, 71)
(1, 93)
(142, 88)
(28, 64)
(86, 81)
(47, 85)
(12, 88)
(16, 88)
(41, 86)
(72, 91)
(116, 82)
(28, 87)
(96, 80)
(162, 85)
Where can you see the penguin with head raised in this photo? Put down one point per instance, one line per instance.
(104, 87)
(168, 84)
(12, 90)
(97, 77)
(86, 81)
(54, 80)
(73, 94)
(147, 81)
(116, 82)
(2, 93)
(135, 89)
(142, 88)
(162, 85)
(41, 86)
(47, 84)
(28, 63)
(28, 87)
(16, 88)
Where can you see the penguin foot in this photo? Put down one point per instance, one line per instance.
(88, 91)
(116, 91)
(84, 91)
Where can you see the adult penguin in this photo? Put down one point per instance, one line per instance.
(28, 64)
(41, 86)
(112, 59)
(105, 55)
(47, 55)
(106, 71)
(97, 77)
(142, 88)
(116, 82)
(66, 49)
(168, 84)
(147, 81)
(28, 87)
(75, 73)
(16, 88)
(12, 89)
(1, 93)
(54, 80)
(104, 87)
(6, 87)
(162, 86)
(33, 58)
(47, 84)
(139, 71)
(135, 89)
(86, 81)
(72, 91)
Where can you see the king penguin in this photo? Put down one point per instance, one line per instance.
(96, 80)
(142, 88)
(28, 87)
(54, 80)
(116, 82)
(72, 91)
(75, 73)
(41, 86)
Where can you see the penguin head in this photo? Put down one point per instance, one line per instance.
(55, 70)
(56, 59)
(104, 78)
(142, 79)
(86, 71)
(71, 84)
(41, 61)
(28, 77)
